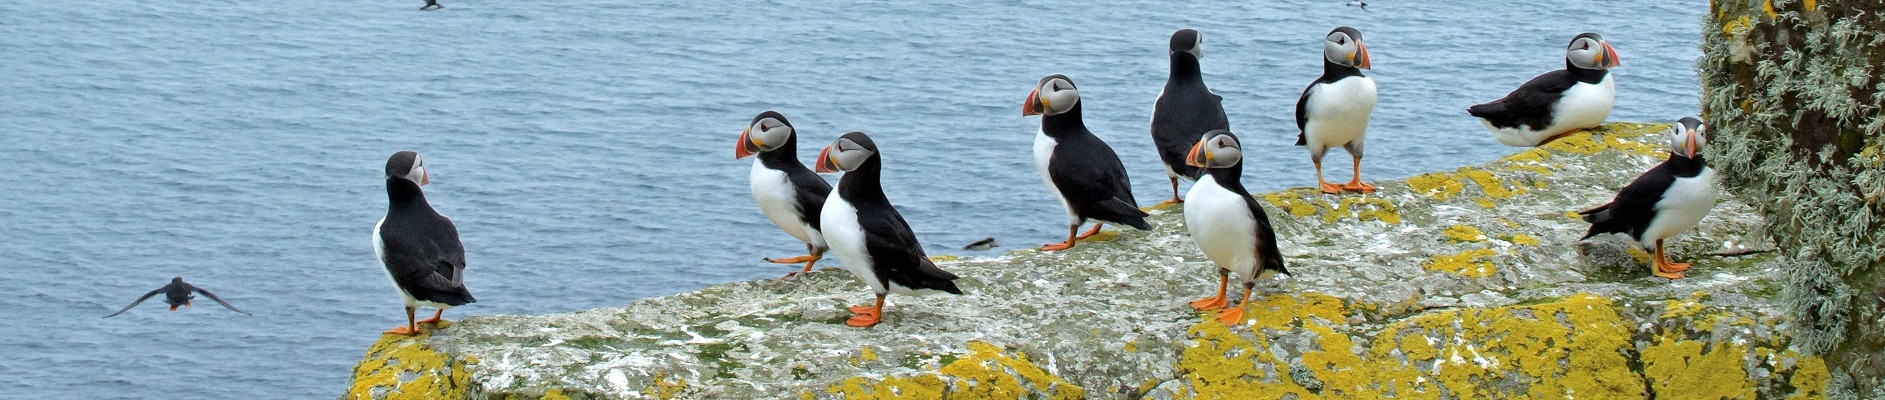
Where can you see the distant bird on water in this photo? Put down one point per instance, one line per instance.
(984, 244)
(177, 293)
(1362, 4)
(431, 5)
(418, 247)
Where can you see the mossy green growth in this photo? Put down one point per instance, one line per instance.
(986, 372)
(405, 367)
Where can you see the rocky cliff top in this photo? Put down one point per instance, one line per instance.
(1458, 284)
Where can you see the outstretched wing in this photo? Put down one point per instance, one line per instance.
(140, 300)
(219, 300)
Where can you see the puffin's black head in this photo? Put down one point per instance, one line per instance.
(1343, 47)
(1690, 135)
(1590, 51)
(176, 280)
(769, 130)
(847, 153)
(407, 165)
(1217, 149)
(1188, 41)
(1053, 95)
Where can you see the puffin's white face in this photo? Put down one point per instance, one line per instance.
(1217, 149)
(418, 173)
(1590, 51)
(843, 155)
(1343, 47)
(1688, 137)
(763, 135)
(1054, 95)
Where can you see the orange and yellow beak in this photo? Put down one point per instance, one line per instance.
(1688, 145)
(1361, 51)
(1033, 105)
(425, 177)
(1192, 158)
(1609, 58)
(745, 148)
(825, 164)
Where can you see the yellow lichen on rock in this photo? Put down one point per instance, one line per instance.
(986, 372)
(1523, 240)
(1439, 185)
(662, 388)
(1463, 234)
(405, 367)
(1491, 185)
(1292, 202)
(1470, 263)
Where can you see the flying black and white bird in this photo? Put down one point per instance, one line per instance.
(1556, 103)
(868, 235)
(178, 294)
(788, 193)
(418, 247)
(431, 5)
(1669, 199)
(1185, 109)
(1078, 167)
(1333, 111)
(1228, 224)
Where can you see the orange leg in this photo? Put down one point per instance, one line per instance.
(814, 257)
(1090, 232)
(1323, 185)
(435, 318)
(1215, 302)
(173, 308)
(1235, 315)
(868, 316)
(1068, 244)
(1356, 185)
(792, 260)
(1667, 269)
(411, 328)
(1175, 199)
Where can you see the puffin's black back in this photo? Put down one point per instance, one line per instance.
(1635, 206)
(895, 254)
(1186, 109)
(811, 189)
(1532, 103)
(421, 247)
(1088, 173)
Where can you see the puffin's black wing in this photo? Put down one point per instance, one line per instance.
(811, 192)
(1271, 257)
(898, 257)
(1302, 114)
(431, 270)
(1529, 105)
(1181, 116)
(140, 300)
(212, 296)
(1088, 173)
(1630, 212)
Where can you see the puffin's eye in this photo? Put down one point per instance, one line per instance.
(1341, 41)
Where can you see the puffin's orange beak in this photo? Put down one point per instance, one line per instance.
(824, 162)
(1032, 106)
(425, 177)
(1688, 145)
(1191, 157)
(741, 150)
(1610, 57)
(1361, 50)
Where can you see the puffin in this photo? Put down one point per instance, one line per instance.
(1556, 103)
(1184, 108)
(178, 293)
(868, 235)
(1228, 224)
(1078, 167)
(1665, 201)
(1333, 111)
(788, 193)
(431, 5)
(418, 247)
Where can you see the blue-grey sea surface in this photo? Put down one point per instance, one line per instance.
(585, 148)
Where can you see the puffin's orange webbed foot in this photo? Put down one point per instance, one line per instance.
(792, 260)
(1231, 316)
(1171, 201)
(1210, 303)
(403, 330)
(1057, 246)
(1357, 186)
(1329, 188)
(1675, 267)
(1090, 232)
(862, 310)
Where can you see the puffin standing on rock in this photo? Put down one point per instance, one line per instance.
(1334, 110)
(1184, 108)
(868, 235)
(1665, 201)
(1557, 103)
(1228, 224)
(788, 193)
(1078, 167)
(419, 247)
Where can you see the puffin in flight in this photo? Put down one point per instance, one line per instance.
(788, 193)
(1184, 108)
(1333, 110)
(1557, 103)
(1228, 224)
(867, 233)
(431, 5)
(1665, 201)
(178, 293)
(419, 247)
(1078, 167)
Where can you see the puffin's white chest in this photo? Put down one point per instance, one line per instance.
(778, 200)
(1221, 222)
(1338, 112)
(846, 237)
(1581, 106)
(1043, 154)
(1682, 207)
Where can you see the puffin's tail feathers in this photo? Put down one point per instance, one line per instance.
(1302, 139)
(1119, 211)
(1600, 221)
(929, 276)
(1487, 110)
